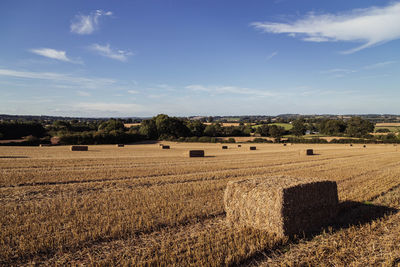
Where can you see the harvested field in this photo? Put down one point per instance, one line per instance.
(142, 205)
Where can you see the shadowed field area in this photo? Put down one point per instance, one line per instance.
(143, 205)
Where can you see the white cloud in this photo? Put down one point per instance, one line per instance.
(371, 26)
(106, 51)
(87, 24)
(54, 54)
(379, 65)
(83, 93)
(108, 107)
(66, 79)
(229, 90)
(270, 56)
(133, 92)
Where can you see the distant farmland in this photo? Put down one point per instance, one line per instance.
(142, 205)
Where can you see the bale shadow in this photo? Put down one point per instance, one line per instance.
(354, 213)
(351, 213)
(14, 157)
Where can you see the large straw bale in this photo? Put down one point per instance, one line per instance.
(224, 147)
(165, 147)
(281, 205)
(196, 153)
(309, 152)
(120, 145)
(239, 145)
(79, 148)
(253, 148)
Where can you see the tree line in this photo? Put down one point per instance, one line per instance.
(164, 127)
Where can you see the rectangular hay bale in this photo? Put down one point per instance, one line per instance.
(281, 205)
(196, 153)
(224, 147)
(309, 152)
(239, 145)
(165, 147)
(253, 148)
(79, 148)
(120, 145)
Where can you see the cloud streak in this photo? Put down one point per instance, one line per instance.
(105, 107)
(229, 90)
(370, 26)
(106, 51)
(54, 54)
(87, 24)
(270, 56)
(59, 78)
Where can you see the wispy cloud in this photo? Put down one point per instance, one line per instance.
(87, 24)
(106, 51)
(83, 93)
(59, 78)
(229, 90)
(371, 26)
(270, 56)
(341, 72)
(105, 107)
(379, 65)
(133, 92)
(54, 54)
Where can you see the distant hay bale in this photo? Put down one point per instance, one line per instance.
(79, 148)
(351, 144)
(309, 152)
(120, 145)
(43, 145)
(284, 144)
(239, 145)
(253, 148)
(224, 147)
(196, 153)
(165, 147)
(364, 146)
(281, 205)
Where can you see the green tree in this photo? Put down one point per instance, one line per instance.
(299, 128)
(112, 125)
(148, 129)
(196, 127)
(358, 127)
(332, 127)
(276, 132)
(263, 130)
(213, 130)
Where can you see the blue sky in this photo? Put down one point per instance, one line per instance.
(192, 57)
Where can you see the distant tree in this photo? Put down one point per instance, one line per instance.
(112, 125)
(332, 127)
(383, 130)
(276, 132)
(213, 130)
(299, 128)
(263, 130)
(358, 127)
(148, 129)
(170, 126)
(196, 127)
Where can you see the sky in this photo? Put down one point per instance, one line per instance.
(139, 58)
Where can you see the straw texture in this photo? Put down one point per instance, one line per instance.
(281, 205)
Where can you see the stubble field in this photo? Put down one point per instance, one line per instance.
(141, 205)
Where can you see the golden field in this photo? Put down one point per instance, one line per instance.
(142, 205)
